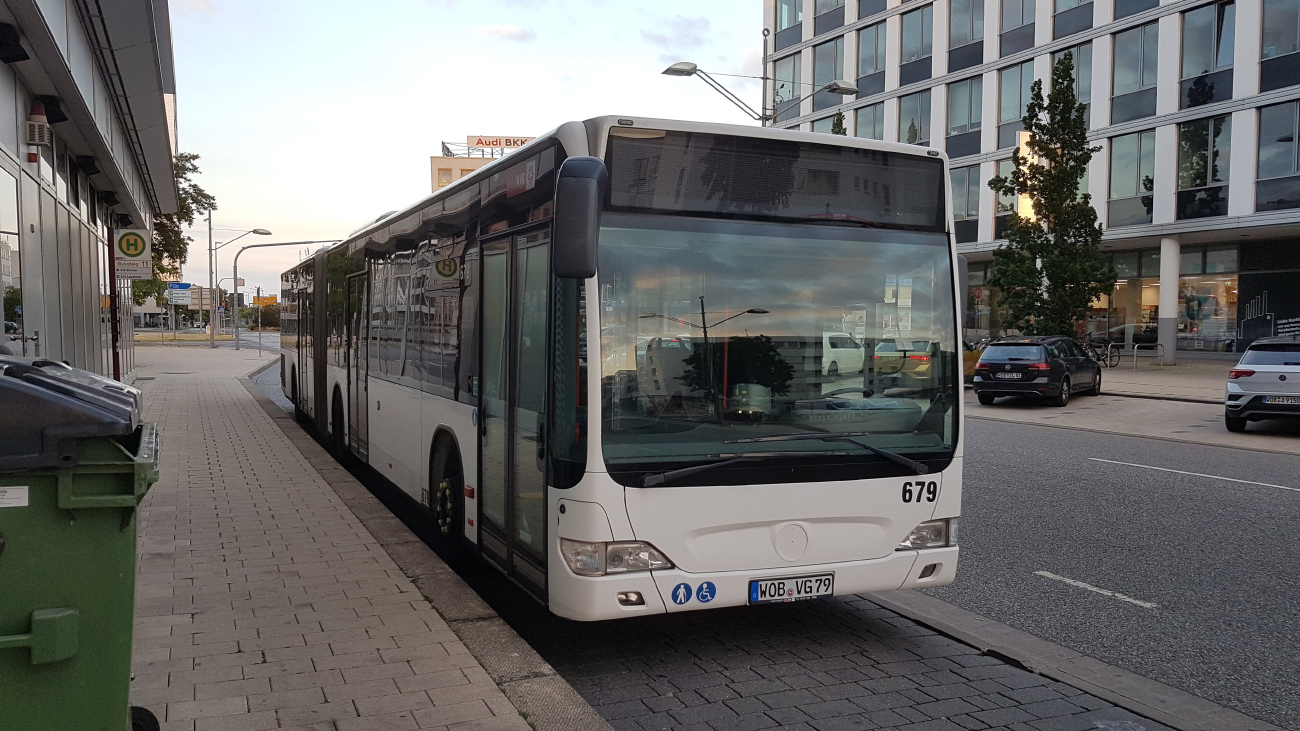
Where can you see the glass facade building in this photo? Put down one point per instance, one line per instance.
(1195, 106)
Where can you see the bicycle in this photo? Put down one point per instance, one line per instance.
(1108, 355)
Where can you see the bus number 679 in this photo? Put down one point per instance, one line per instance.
(915, 492)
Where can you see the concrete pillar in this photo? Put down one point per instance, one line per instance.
(1170, 258)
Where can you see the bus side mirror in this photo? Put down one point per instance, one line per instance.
(579, 195)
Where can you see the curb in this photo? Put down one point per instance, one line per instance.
(1183, 399)
(1143, 696)
(543, 698)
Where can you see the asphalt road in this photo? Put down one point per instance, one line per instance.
(1217, 559)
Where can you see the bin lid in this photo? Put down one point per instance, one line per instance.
(48, 403)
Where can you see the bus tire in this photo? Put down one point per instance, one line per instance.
(338, 431)
(447, 495)
(298, 414)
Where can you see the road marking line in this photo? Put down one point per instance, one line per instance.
(1097, 589)
(1196, 474)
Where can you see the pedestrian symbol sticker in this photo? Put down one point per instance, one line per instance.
(706, 592)
(682, 593)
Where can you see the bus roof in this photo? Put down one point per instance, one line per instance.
(589, 137)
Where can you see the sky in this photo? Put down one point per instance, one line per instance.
(313, 118)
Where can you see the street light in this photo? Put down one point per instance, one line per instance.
(235, 271)
(686, 68)
(212, 272)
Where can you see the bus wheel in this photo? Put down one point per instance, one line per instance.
(298, 414)
(338, 435)
(447, 496)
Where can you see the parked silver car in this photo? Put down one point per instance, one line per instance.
(1265, 384)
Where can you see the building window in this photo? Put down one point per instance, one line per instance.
(1208, 33)
(1081, 57)
(965, 100)
(966, 34)
(828, 65)
(1070, 17)
(1279, 158)
(967, 23)
(823, 125)
(786, 98)
(966, 203)
(1132, 165)
(871, 49)
(1013, 90)
(1136, 57)
(871, 60)
(914, 118)
(1017, 26)
(1280, 66)
(1005, 204)
(1016, 13)
(1203, 153)
(871, 122)
(789, 13)
(825, 6)
(1125, 8)
(444, 177)
(918, 36)
(1281, 28)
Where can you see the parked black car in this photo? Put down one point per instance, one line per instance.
(1050, 366)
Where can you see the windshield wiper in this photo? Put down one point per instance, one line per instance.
(849, 437)
(660, 478)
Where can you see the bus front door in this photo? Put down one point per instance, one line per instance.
(358, 336)
(306, 363)
(516, 296)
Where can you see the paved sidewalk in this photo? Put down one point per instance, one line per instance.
(1190, 380)
(262, 600)
(1178, 421)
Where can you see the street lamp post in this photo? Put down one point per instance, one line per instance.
(212, 273)
(235, 268)
(686, 68)
(708, 351)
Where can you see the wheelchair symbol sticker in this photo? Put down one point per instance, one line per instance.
(706, 592)
(682, 593)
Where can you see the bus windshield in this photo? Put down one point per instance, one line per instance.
(714, 331)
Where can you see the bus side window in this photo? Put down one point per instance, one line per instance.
(568, 435)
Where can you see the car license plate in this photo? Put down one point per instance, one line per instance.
(793, 589)
(1007, 375)
(1282, 399)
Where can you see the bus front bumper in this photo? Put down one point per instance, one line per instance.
(597, 598)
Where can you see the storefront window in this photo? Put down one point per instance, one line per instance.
(983, 317)
(1207, 318)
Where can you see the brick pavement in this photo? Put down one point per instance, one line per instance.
(262, 601)
(844, 663)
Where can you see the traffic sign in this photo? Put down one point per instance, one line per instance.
(133, 253)
(179, 285)
(266, 301)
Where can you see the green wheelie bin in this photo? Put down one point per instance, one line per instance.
(75, 461)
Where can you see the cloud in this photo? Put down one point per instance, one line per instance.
(509, 33)
(202, 6)
(680, 33)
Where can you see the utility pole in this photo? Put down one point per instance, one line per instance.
(259, 321)
(212, 285)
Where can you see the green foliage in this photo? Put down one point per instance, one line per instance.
(1051, 268)
(837, 124)
(13, 299)
(270, 316)
(748, 360)
(170, 244)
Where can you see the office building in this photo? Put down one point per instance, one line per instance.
(1194, 105)
(87, 136)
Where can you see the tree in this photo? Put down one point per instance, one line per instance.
(1051, 269)
(837, 124)
(170, 244)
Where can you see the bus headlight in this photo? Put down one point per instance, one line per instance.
(931, 534)
(599, 559)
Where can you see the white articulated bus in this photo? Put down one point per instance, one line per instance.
(601, 364)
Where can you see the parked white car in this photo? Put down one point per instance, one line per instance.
(1265, 384)
(840, 354)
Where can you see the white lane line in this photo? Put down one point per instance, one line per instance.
(1097, 589)
(1196, 474)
